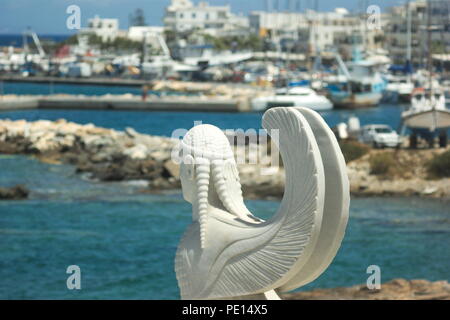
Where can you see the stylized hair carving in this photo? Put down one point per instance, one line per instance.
(202, 169)
(212, 154)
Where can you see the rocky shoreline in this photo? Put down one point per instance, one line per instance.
(397, 289)
(18, 192)
(111, 155)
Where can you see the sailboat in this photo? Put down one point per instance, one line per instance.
(428, 116)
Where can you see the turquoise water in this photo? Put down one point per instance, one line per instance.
(164, 123)
(55, 88)
(29, 88)
(125, 241)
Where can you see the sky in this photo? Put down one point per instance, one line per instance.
(49, 16)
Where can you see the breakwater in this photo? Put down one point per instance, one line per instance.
(153, 103)
(112, 155)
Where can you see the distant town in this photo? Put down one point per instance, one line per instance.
(350, 59)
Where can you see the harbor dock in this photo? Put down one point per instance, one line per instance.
(168, 103)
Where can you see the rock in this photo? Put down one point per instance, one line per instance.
(429, 190)
(138, 152)
(18, 192)
(131, 132)
(160, 156)
(397, 289)
(172, 168)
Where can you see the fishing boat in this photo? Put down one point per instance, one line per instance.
(427, 117)
(363, 85)
(293, 97)
(400, 88)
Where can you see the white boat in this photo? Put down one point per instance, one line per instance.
(401, 87)
(428, 111)
(293, 97)
(362, 85)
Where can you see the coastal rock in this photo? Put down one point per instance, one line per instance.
(397, 289)
(18, 192)
(138, 152)
(172, 168)
(131, 132)
(160, 156)
(112, 155)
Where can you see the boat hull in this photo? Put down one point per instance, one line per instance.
(430, 119)
(317, 103)
(345, 100)
(404, 97)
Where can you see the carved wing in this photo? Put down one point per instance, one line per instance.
(263, 256)
(336, 207)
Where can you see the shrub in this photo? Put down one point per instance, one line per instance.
(353, 150)
(381, 163)
(439, 166)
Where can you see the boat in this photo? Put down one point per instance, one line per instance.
(361, 87)
(427, 117)
(293, 97)
(400, 88)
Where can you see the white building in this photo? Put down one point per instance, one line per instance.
(184, 16)
(397, 33)
(107, 29)
(264, 22)
(318, 30)
(149, 32)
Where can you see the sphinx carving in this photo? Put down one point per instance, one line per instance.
(227, 252)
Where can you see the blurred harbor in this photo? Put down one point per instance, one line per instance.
(209, 58)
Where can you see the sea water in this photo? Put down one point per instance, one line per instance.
(165, 123)
(124, 241)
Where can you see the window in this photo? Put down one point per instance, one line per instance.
(383, 130)
(194, 15)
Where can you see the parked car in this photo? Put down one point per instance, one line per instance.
(379, 136)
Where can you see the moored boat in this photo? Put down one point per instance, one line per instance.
(293, 97)
(428, 117)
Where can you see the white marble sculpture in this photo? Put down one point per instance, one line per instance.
(227, 252)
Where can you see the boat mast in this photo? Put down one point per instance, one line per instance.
(433, 101)
(408, 40)
(430, 61)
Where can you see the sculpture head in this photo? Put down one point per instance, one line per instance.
(209, 172)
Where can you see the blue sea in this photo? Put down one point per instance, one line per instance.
(124, 241)
(16, 40)
(164, 123)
